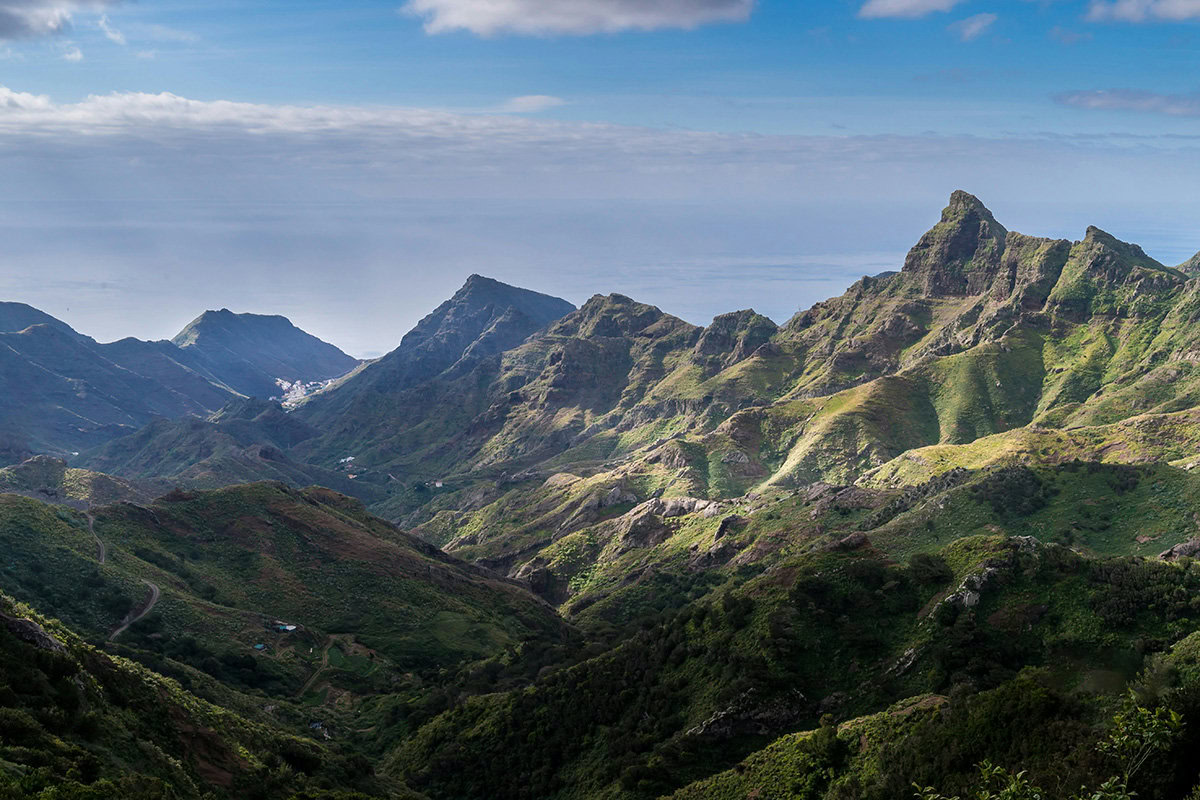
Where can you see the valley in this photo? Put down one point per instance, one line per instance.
(541, 551)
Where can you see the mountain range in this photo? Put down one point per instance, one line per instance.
(65, 392)
(600, 552)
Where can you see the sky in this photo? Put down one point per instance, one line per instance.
(350, 163)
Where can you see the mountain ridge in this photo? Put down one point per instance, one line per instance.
(68, 393)
(946, 516)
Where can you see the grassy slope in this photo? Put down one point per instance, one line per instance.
(77, 722)
(830, 632)
(50, 479)
(229, 563)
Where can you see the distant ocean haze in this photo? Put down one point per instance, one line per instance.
(360, 275)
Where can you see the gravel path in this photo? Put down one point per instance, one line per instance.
(136, 614)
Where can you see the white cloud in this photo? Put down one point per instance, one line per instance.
(1143, 10)
(28, 18)
(530, 104)
(576, 17)
(907, 9)
(72, 53)
(972, 28)
(146, 126)
(22, 101)
(1175, 105)
(113, 35)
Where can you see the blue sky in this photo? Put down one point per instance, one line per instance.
(790, 67)
(349, 163)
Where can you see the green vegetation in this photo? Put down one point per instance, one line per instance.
(907, 544)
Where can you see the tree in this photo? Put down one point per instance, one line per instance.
(1138, 733)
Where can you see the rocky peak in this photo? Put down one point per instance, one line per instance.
(483, 318)
(612, 316)
(483, 307)
(732, 338)
(960, 256)
(963, 203)
(1131, 254)
(1104, 275)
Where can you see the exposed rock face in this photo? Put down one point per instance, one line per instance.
(30, 632)
(961, 255)
(1191, 266)
(1029, 269)
(749, 715)
(722, 552)
(732, 338)
(728, 525)
(970, 591)
(1104, 275)
(616, 496)
(609, 316)
(855, 541)
(678, 506)
(1189, 548)
(483, 318)
(641, 528)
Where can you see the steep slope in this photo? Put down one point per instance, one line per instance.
(253, 353)
(841, 632)
(77, 722)
(16, 317)
(171, 366)
(988, 347)
(482, 319)
(226, 560)
(1191, 266)
(61, 393)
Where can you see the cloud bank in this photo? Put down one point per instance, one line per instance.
(149, 206)
(165, 144)
(22, 19)
(904, 9)
(1143, 10)
(573, 17)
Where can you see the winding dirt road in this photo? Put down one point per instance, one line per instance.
(137, 613)
(100, 551)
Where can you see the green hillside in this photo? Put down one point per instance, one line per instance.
(78, 722)
(947, 517)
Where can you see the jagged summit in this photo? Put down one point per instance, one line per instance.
(483, 318)
(482, 308)
(609, 315)
(961, 254)
(732, 338)
(965, 202)
(1127, 250)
